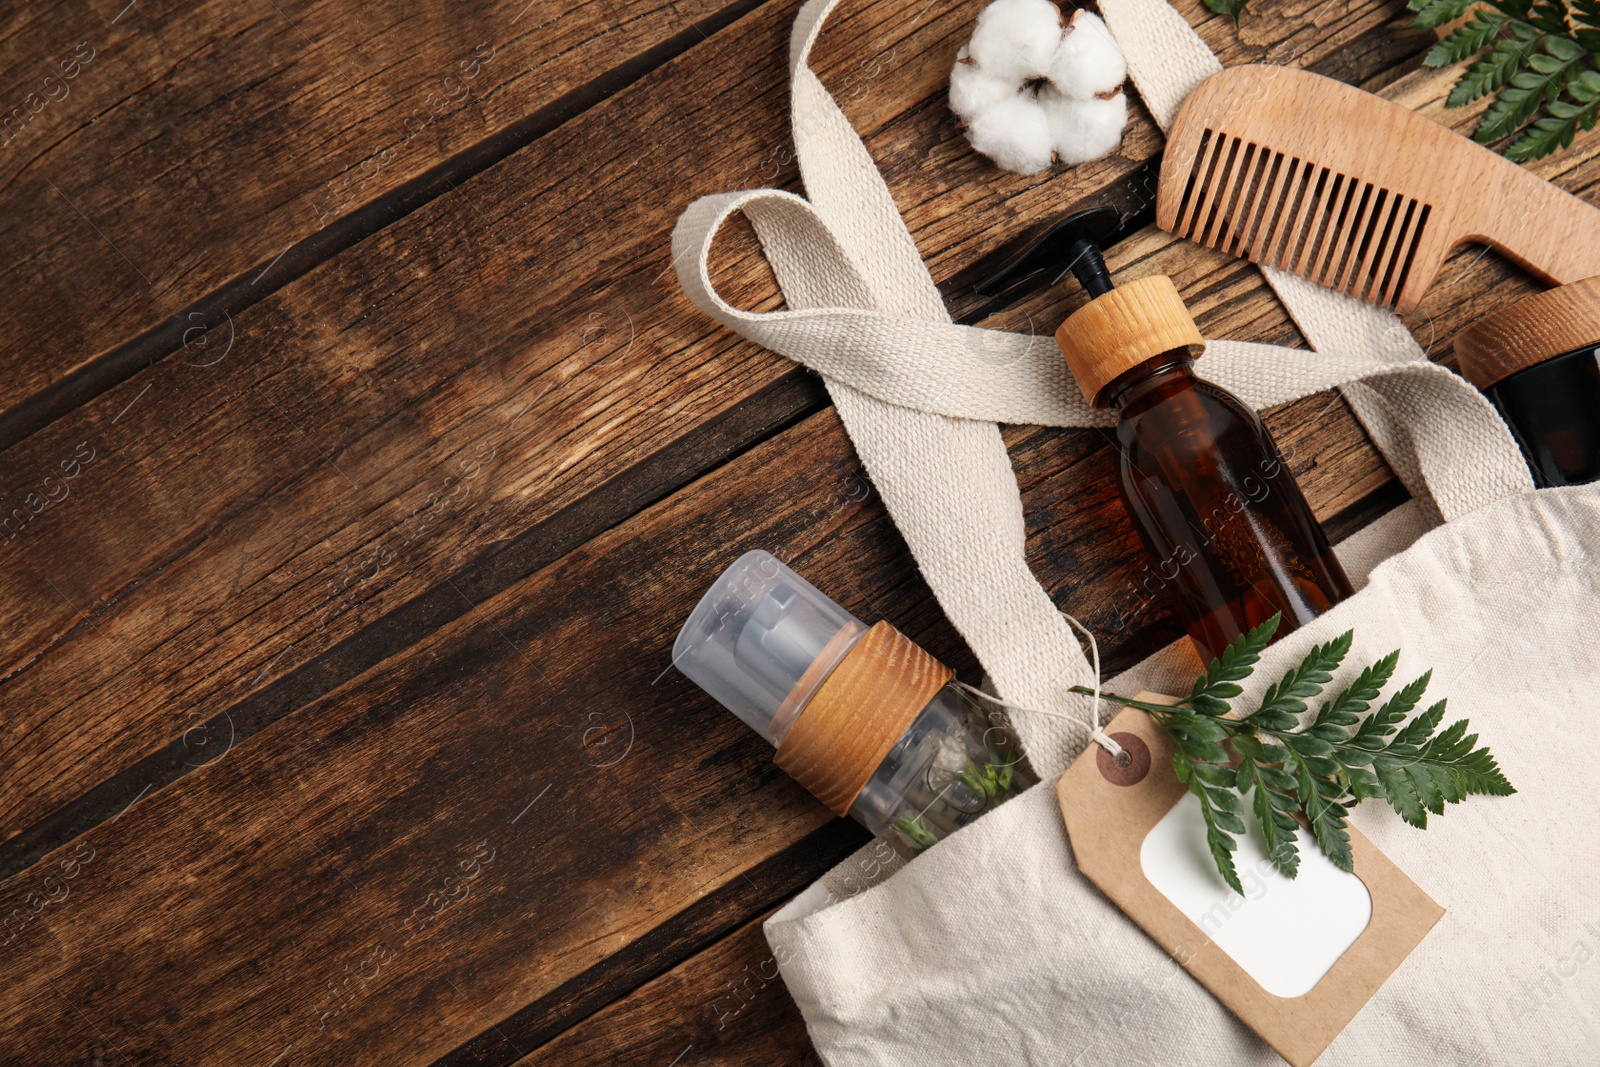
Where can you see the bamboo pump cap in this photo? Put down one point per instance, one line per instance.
(1530, 331)
(1120, 329)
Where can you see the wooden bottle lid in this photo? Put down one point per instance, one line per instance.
(1530, 331)
(857, 715)
(1119, 330)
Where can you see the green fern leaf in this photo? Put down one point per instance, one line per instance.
(1219, 683)
(1233, 9)
(1218, 840)
(1516, 104)
(1420, 772)
(1373, 732)
(1496, 66)
(1434, 13)
(1320, 800)
(1347, 708)
(1466, 41)
(1290, 770)
(1556, 130)
(1275, 813)
(1549, 17)
(1285, 700)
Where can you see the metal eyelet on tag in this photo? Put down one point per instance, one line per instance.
(1131, 772)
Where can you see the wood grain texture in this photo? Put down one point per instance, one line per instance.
(1113, 334)
(422, 451)
(725, 1006)
(348, 444)
(154, 153)
(858, 713)
(664, 946)
(352, 441)
(1529, 332)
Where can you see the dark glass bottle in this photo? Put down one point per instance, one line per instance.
(1538, 362)
(1231, 539)
(1553, 409)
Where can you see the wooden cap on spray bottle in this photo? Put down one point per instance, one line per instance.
(858, 713)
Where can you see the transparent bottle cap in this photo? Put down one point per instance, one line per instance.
(762, 640)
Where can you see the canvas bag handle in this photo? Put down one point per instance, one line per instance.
(920, 396)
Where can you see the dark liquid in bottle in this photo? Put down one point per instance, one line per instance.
(1554, 412)
(1231, 539)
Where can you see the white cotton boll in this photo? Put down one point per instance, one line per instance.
(1081, 130)
(1088, 61)
(972, 89)
(1016, 39)
(1013, 133)
(1077, 117)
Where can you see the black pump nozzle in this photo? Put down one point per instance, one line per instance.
(1071, 244)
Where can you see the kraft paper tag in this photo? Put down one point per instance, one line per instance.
(1294, 982)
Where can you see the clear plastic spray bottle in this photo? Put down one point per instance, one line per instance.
(871, 724)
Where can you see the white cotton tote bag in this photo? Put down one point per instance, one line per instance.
(992, 948)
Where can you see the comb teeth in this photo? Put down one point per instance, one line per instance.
(1282, 211)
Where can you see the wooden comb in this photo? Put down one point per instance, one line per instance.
(1293, 170)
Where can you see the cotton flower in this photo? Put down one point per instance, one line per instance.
(1016, 39)
(1087, 61)
(1081, 130)
(973, 89)
(1014, 133)
(1031, 88)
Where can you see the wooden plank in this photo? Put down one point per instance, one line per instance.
(677, 939)
(355, 442)
(162, 165)
(725, 1006)
(339, 417)
(325, 809)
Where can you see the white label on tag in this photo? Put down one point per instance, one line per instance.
(1285, 934)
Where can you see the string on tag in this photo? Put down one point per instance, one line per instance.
(1096, 734)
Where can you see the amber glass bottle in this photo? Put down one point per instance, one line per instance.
(1231, 539)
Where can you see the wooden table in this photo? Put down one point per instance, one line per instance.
(362, 458)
